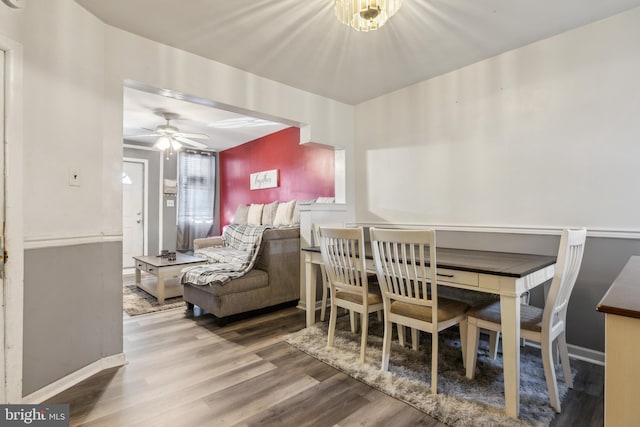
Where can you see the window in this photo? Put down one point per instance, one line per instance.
(196, 196)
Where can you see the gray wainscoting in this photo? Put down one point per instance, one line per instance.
(72, 309)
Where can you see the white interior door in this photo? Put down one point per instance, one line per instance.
(133, 212)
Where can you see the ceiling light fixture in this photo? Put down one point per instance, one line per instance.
(366, 15)
(168, 144)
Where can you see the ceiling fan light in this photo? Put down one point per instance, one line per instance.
(163, 143)
(175, 144)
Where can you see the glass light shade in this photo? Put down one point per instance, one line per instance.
(365, 15)
(163, 143)
(175, 144)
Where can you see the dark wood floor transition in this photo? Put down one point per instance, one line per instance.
(187, 371)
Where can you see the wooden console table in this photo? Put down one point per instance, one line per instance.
(162, 268)
(621, 305)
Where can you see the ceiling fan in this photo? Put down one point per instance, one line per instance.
(170, 137)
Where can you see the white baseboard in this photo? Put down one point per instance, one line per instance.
(586, 354)
(579, 353)
(74, 378)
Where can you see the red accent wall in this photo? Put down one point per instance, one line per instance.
(306, 171)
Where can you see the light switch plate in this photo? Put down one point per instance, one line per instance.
(74, 177)
(170, 203)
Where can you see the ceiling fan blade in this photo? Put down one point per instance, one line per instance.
(142, 135)
(190, 142)
(192, 135)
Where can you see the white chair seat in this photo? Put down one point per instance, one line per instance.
(357, 298)
(530, 316)
(447, 310)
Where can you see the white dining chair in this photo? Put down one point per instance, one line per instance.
(344, 262)
(353, 320)
(406, 266)
(325, 279)
(546, 326)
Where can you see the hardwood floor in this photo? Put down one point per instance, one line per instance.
(187, 371)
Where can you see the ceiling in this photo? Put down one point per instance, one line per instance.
(143, 112)
(300, 42)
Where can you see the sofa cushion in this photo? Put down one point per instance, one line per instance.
(254, 279)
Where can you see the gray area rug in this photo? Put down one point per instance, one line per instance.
(459, 402)
(136, 302)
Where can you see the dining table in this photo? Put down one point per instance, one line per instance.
(507, 274)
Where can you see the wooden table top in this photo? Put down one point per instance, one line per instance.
(487, 262)
(623, 297)
(157, 261)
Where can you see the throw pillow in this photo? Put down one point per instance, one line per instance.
(255, 214)
(241, 215)
(269, 213)
(284, 214)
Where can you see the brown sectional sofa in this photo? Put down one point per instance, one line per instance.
(273, 280)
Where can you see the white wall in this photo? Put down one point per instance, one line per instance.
(544, 136)
(74, 70)
(533, 140)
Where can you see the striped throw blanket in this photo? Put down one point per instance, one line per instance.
(232, 260)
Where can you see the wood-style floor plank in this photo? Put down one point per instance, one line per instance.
(187, 371)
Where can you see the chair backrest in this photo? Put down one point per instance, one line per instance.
(406, 266)
(567, 267)
(344, 258)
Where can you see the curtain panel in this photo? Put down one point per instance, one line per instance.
(196, 196)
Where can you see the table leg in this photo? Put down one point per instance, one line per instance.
(160, 289)
(138, 277)
(510, 318)
(310, 272)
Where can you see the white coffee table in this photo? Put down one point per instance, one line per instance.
(162, 268)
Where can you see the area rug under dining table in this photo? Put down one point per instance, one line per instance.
(460, 401)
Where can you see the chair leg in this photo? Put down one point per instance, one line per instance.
(564, 358)
(353, 317)
(323, 307)
(379, 315)
(332, 324)
(400, 334)
(550, 374)
(414, 339)
(472, 347)
(364, 325)
(434, 362)
(494, 340)
(386, 345)
(463, 341)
